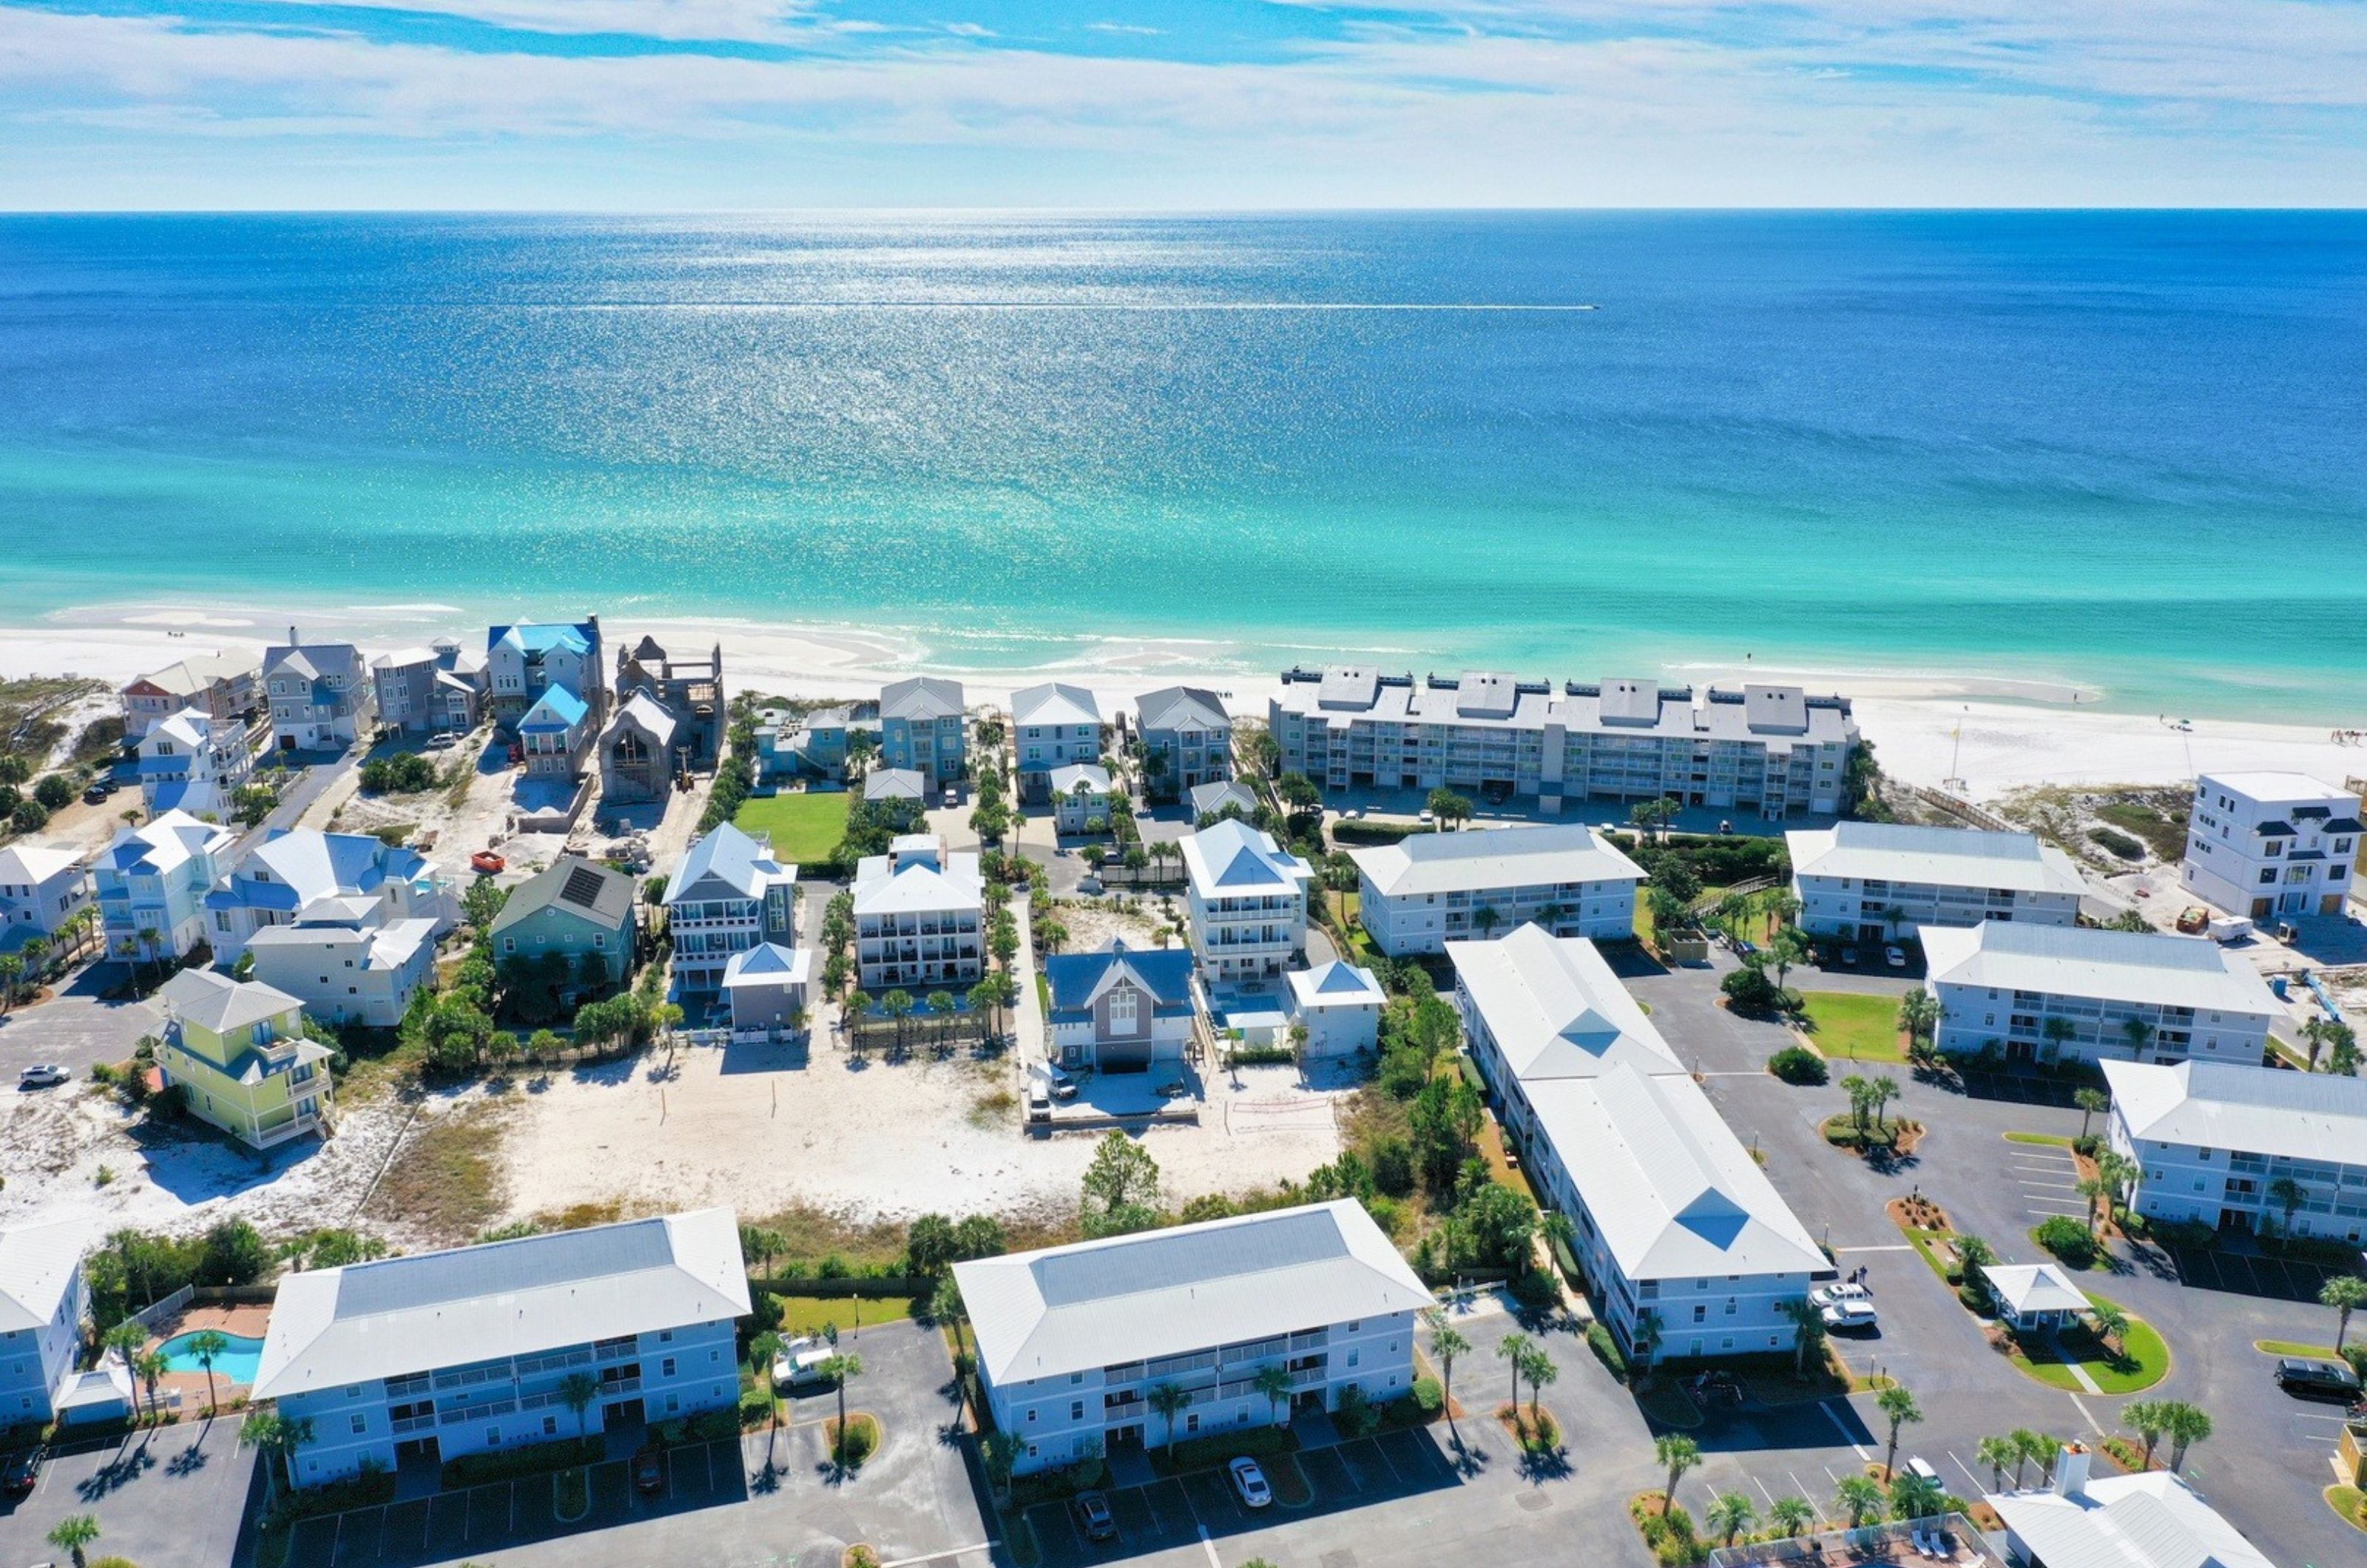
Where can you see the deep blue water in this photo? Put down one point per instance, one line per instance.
(2126, 450)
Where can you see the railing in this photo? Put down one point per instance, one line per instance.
(469, 1377)
(617, 1352)
(403, 1424)
(615, 1386)
(468, 1412)
(409, 1384)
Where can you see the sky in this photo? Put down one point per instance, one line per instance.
(1196, 104)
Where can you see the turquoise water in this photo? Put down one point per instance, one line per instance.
(236, 1364)
(2122, 451)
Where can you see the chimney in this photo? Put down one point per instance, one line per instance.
(2071, 1471)
(291, 636)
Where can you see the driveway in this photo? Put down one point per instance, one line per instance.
(174, 1494)
(76, 1027)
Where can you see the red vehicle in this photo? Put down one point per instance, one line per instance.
(648, 1472)
(486, 863)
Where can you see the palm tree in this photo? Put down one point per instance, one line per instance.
(2346, 1294)
(1731, 1513)
(1540, 1370)
(945, 1306)
(1807, 1329)
(2187, 1424)
(125, 1340)
(1274, 1381)
(841, 1368)
(941, 1005)
(73, 1534)
(1446, 1343)
(12, 968)
(1860, 1091)
(2117, 1172)
(1891, 915)
(1917, 1013)
(1790, 947)
(1169, 1401)
(2109, 1323)
(151, 1367)
(2288, 1195)
(577, 1391)
(2058, 1032)
(2147, 1419)
(1677, 1454)
(1997, 1453)
(1898, 1407)
(1915, 1497)
(1486, 918)
(762, 1352)
(209, 1345)
(149, 937)
(2030, 1447)
(1858, 1498)
(2140, 1035)
(1646, 1342)
(1882, 1090)
(1510, 1350)
(1793, 1515)
(277, 1439)
(898, 1005)
(2096, 1193)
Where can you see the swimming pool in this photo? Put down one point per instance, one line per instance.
(235, 1364)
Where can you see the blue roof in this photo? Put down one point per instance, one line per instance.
(559, 708)
(541, 637)
(1165, 972)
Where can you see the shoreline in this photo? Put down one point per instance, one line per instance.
(1996, 732)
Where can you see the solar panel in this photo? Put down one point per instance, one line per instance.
(584, 885)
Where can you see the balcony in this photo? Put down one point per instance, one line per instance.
(403, 1424)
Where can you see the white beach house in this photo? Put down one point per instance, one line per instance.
(2045, 993)
(41, 888)
(1051, 726)
(1072, 1339)
(303, 875)
(1876, 881)
(439, 1354)
(1339, 1005)
(1429, 889)
(2271, 845)
(194, 762)
(2213, 1140)
(919, 918)
(44, 1300)
(1689, 1248)
(1247, 901)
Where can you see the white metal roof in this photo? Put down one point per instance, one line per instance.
(33, 863)
(1672, 1190)
(2034, 1287)
(1556, 1008)
(331, 1328)
(1949, 857)
(1131, 1298)
(37, 1268)
(2152, 1520)
(1182, 708)
(1494, 857)
(2270, 787)
(886, 885)
(1230, 858)
(2121, 966)
(1335, 985)
(1054, 701)
(1092, 775)
(2227, 1105)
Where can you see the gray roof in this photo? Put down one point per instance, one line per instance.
(1947, 857)
(921, 697)
(1097, 1304)
(894, 784)
(1054, 701)
(2315, 1117)
(730, 857)
(37, 1268)
(767, 963)
(1490, 700)
(1092, 775)
(578, 886)
(2103, 965)
(1209, 798)
(335, 1326)
(1485, 858)
(1233, 857)
(218, 1004)
(648, 713)
(1181, 707)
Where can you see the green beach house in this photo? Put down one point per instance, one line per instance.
(237, 1049)
(576, 906)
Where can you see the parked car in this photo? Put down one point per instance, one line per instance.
(442, 741)
(1920, 1466)
(798, 1367)
(1039, 1102)
(41, 1074)
(1428, 818)
(1895, 957)
(1089, 883)
(1249, 1482)
(1354, 814)
(953, 798)
(648, 1472)
(17, 1477)
(1094, 1518)
(95, 795)
(1830, 1295)
(1849, 957)
(2316, 1379)
(1851, 1317)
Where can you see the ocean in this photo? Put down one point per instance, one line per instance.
(2123, 452)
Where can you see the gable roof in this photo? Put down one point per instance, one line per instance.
(646, 711)
(894, 784)
(2034, 1287)
(2316, 1117)
(1233, 857)
(1054, 701)
(1092, 775)
(33, 863)
(921, 697)
(901, 880)
(220, 1004)
(2150, 1520)
(767, 963)
(1335, 985)
(293, 867)
(556, 709)
(1077, 979)
(2147, 967)
(1950, 857)
(1210, 798)
(541, 637)
(1129, 1298)
(37, 1269)
(572, 885)
(331, 1328)
(1483, 858)
(728, 856)
(1555, 1008)
(1182, 708)
(190, 676)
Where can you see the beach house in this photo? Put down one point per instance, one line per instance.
(1426, 890)
(354, 968)
(641, 746)
(728, 896)
(152, 882)
(919, 918)
(2271, 845)
(1072, 1340)
(196, 764)
(2056, 993)
(1187, 740)
(44, 1299)
(556, 734)
(1247, 902)
(688, 691)
(222, 686)
(420, 1359)
(1121, 1009)
(1773, 750)
(1877, 881)
(1231, 799)
(2217, 1143)
(814, 744)
(765, 986)
(297, 874)
(1052, 725)
(921, 727)
(1688, 1249)
(41, 889)
(1081, 792)
(237, 1050)
(424, 690)
(525, 659)
(320, 695)
(559, 914)
(1339, 1005)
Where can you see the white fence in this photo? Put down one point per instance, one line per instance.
(150, 1317)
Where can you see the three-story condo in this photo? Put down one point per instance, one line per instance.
(919, 918)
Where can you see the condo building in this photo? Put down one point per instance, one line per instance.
(2216, 1142)
(1429, 889)
(2271, 845)
(1875, 881)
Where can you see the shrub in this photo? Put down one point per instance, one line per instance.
(1254, 1442)
(405, 773)
(55, 791)
(2120, 843)
(1798, 1065)
(1606, 1349)
(1354, 1415)
(1428, 1397)
(1751, 990)
(2067, 1239)
(505, 1464)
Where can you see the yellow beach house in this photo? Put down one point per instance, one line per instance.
(238, 1051)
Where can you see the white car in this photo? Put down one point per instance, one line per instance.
(1851, 1317)
(1895, 957)
(1832, 1295)
(1249, 1482)
(41, 1074)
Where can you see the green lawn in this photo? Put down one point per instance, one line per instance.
(2142, 1362)
(804, 827)
(2050, 1140)
(2291, 1347)
(1845, 1024)
(806, 1314)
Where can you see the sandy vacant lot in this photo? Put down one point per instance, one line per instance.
(755, 1129)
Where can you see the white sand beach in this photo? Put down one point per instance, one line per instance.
(1995, 734)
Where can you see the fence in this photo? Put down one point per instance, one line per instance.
(1957, 805)
(1900, 1541)
(148, 1317)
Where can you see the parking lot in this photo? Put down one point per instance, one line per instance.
(2278, 1278)
(2048, 1179)
(174, 1494)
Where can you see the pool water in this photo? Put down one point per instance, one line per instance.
(236, 1364)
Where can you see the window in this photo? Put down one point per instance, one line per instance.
(1076, 1410)
(665, 1368)
(1123, 1007)
(492, 1437)
(1031, 1416)
(1352, 1357)
(361, 1424)
(550, 1426)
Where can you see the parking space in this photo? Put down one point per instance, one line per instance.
(2047, 1179)
(2019, 1089)
(2277, 1279)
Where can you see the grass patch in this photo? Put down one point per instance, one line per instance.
(572, 1499)
(2164, 834)
(1538, 1432)
(805, 827)
(2349, 1506)
(993, 1109)
(806, 1314)
(447, 1176)
(2293, 1347)
(1664, 1404)
(1861, 1028)
(2144, 1360)
(854, 1443)
(2049, 1140)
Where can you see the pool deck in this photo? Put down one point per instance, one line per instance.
(247, 1321)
